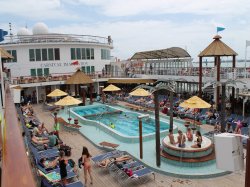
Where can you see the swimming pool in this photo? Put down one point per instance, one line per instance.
(124, 122)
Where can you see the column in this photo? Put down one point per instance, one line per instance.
(157, 129)
(200, 76)
(37, 95)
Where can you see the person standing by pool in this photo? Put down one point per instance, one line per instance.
(181, 139)
(63, 167)
(198, 141)
(87, 165)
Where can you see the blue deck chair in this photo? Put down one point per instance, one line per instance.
(138, 176)
(114, 169)
(103, 156)
(75, 184)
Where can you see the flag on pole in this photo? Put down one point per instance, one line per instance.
(220, 29)
(247, 43)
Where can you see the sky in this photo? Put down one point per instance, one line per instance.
(138, 25)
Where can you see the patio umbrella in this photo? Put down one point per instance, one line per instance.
(111, 88)
(140, 92)
(81, 78)
(57, 93)
(68, 101)
(195, 102)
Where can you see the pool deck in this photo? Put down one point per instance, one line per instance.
(102, 178)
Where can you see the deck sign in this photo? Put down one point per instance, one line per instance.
(62, 64)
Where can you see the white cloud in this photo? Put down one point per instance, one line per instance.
(36, 9)
(131, 37)
(134, 7)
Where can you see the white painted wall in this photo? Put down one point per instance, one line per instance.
(23, 65)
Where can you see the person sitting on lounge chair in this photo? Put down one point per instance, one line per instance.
(49, 164)
(107, 161)
(39, 141)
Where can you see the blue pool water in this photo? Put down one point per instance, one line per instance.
(125, 123)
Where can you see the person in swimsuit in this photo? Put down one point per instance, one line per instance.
(62, 165)
(198, 141)
(87, 166)
(171, 137)
(181, 139)
(189, 135)
(106, 162)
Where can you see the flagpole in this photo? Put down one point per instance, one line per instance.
(246, 61)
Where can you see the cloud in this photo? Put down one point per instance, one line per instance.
(204, 7)
(36, 9)
(131, 37)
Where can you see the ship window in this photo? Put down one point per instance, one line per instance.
(32, 54)
(78, 53)
(33, 72)
(105, 54)
(83, 53)
(92, 55)
(88, 69)
(38, 54)
(73, 53)
(57, 53)
(83, 69)
(46, 71)
(88, 53)
(51, 53)
(92, 69)
(13, 53)
(44, 54)
(39, 72)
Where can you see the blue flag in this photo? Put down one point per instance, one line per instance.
(2, 34)
(220, 29)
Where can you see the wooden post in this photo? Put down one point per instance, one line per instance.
(140, 138)
(83, 96)
(218, 80)
(157, 129)
(91, 92)
(223, 122)
(171, 110)
(247, 176)
(200, 76)
(233, 88)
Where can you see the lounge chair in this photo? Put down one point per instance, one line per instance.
(75, 184)
(101, 157)
(139, 176)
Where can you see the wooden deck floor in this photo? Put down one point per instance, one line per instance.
(102, 178)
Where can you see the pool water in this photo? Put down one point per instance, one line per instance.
(125, 123)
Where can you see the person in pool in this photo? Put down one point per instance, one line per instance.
(181, 139)
(112, 125)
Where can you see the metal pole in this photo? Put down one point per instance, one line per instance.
(140, 138)
(157, 130)
(247, 176)
(200, 76)
(2, 82)
(171, 110)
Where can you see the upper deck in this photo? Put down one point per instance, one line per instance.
(52, 38)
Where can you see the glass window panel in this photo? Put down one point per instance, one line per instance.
(46, 71)
(14, 55)
(88, 69)
(83, 69)
(32, 54)
(57, 53)
(73, 53)
(38, 54)
(92, 55)
(51, 53)
(44, 55)
(83, 53)
(88, 53)
(92, 69)
(39, 72)
(33, 72)
(102, 52)
(78, 54)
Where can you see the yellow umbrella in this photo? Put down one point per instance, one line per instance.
(68, 101)
(57, 93)
(111, 88)
(195, 102)
(140, 92)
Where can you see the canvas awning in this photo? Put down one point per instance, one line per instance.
(130, 81)
(173, 52)
(4, 54)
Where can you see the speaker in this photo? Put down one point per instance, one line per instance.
(229, 152)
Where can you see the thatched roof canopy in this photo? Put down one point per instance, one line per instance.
(5, 54)
(79, 78)
(217, 48)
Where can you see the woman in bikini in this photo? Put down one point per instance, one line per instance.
(87, 165)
